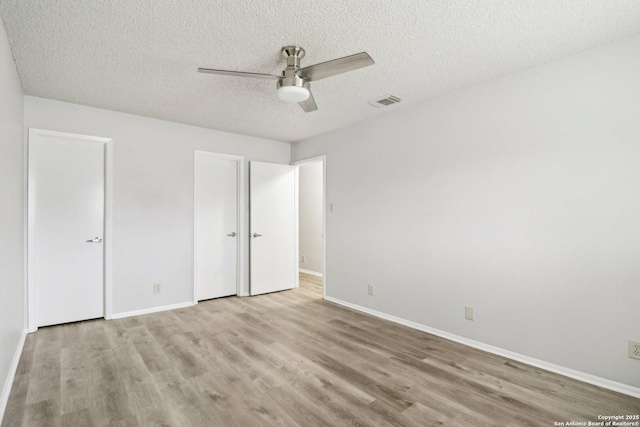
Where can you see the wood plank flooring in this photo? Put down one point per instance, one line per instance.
(283, 359)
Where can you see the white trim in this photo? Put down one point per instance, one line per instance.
(108, 230)
(152, 310)
(312, 273)
(296, 227)
(241, 289)
(31, 219)
(25, 226)
(323, 159)
(108, 221)
(577, 375)
(6, 390)
(315, 159)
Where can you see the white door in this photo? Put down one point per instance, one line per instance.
(272, 234)
(216, 225)
(66, 210)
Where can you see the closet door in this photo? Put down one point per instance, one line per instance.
(272, 235)
(216, 196)
(66, 227)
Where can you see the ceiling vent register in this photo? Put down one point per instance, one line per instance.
(385, 101)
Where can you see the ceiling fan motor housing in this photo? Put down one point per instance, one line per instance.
(290, 78)
(291, 87)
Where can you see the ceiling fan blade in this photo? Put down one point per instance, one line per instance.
(239, 74)
(310, 104)
(335, 67)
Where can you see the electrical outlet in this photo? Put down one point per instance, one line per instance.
(304, 258)
(371, 290)
(157, 288)
(634, 349)
(468, 313)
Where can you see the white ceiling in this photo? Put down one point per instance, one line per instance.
(141, 56)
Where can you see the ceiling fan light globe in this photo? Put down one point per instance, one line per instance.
(293, 93)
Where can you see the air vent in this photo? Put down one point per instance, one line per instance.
(385, 101)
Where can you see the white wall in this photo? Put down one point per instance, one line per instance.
(310, 216)
(11, 214)
(519, 197)
(152, 194)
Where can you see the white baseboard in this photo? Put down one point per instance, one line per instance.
(312, 273)
(578, 375)
(151, 310)
(6, 390)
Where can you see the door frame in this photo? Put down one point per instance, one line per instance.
(316, 159)
(240, 255)
(107, 261)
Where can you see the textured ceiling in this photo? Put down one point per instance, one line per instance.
(141, 56)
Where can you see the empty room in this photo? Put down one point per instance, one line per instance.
(444, 231)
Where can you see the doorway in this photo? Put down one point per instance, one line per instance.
(311, 225)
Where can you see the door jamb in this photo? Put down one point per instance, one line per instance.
(323, 159)
(240, 255)
(107, 253)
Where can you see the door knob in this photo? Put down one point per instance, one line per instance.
(233, 234)
(256, 235)
(95, 240)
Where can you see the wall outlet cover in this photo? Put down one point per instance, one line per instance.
(634, 349)
(468, 313)
(157, 288)
(370, 290)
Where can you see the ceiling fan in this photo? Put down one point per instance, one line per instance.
(293, 84)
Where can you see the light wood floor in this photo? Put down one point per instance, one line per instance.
(288, 359)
